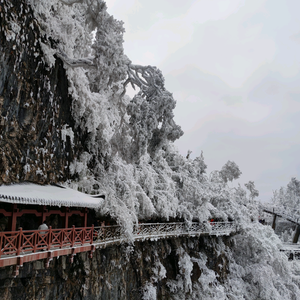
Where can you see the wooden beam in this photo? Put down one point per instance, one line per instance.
(296, 235)
(5, 213)
(43, 214)
(274, 222)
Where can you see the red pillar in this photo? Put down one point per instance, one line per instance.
(44, 213)
(67, 217)
(15, 210)
(19, 242)
(85, 217)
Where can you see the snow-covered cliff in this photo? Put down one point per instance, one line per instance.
(65, 118)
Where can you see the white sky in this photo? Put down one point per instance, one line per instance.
(233, 67)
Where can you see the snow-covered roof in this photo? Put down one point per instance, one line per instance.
(29, 193)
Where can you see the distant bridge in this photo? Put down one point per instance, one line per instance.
(18, 247)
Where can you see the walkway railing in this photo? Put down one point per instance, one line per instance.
(292, 251)
(32, 241)
(17, 247)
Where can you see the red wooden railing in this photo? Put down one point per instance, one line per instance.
(30, 241)
(17, 247)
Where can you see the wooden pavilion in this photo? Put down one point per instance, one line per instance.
(44, 201)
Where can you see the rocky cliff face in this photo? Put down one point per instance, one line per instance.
(34, 104)
(160, 269)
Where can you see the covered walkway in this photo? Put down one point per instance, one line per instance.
(18, 246)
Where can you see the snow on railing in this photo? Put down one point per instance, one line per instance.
(173, 229)
(32, 241)
(292, 251)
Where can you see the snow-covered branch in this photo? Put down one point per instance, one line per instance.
(87, 62)
(71, 2)
(94, 7)
(145, 77)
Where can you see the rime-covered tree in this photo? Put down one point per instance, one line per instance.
(128, 149)
(289, 196)
(151, 122)
(251, 188)
(230, 171)
(155, 181)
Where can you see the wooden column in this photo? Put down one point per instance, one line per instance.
(44, 213)
(296, 236)
(15, 211)
(67, 212)
(274, 222)
(85, 217)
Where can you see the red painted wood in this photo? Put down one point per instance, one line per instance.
(31, 241)
(44, 210)
(9, 261)
(17, 247)
(22, 246)
(67, 217)
(5, 213)
(14, 217)
(43, 214)
(19, 241)
(85, 217)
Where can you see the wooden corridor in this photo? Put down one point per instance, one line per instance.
(18, 247)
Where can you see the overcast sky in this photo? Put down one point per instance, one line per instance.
(233, 68)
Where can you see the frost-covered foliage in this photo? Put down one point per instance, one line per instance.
(253, 268)
(251, 187)
(288, 197)
(286, 200)
(259, 269)
(129, 155)
(150, 111)
(230, 171)
(128, 148)
(185, 269)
